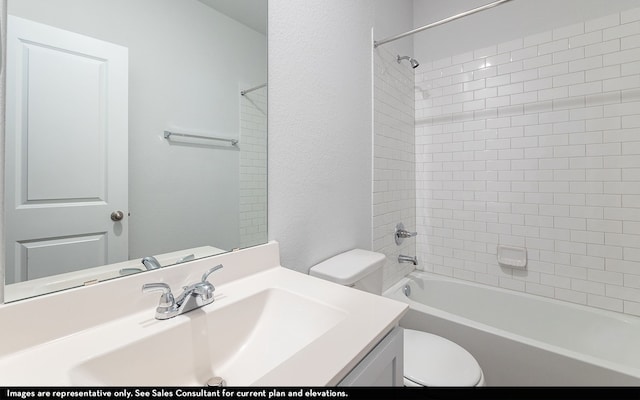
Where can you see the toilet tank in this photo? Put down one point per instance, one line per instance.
(361, 269)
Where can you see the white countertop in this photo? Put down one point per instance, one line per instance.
(50, 360)
(90, 276)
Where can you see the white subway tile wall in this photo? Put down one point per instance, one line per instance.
(535, 143)
(253, 168)
(394, 172)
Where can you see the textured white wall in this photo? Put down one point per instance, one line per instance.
(320, 128)
(320, 123)
(505, 22)
(393, 17)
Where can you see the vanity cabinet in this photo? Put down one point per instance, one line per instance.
(383, 366)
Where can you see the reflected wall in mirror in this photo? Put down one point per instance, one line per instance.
(92, 182)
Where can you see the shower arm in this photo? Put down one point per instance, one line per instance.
(377, 43)
(414, 63)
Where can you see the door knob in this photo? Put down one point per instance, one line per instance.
(117, 216)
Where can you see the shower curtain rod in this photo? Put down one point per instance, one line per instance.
(243, 92)
(442, 21)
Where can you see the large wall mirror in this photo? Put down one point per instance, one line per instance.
(135, 137)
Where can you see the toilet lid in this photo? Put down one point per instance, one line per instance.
(431, 360)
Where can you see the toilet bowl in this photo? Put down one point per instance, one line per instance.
(429, 360)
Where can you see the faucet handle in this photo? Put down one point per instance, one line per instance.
(401, 233)
(204, 287)
(189, 257)
(166, 300)
(406, 234)
(210, 271)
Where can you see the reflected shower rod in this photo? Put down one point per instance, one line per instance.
(243, 92)
(377, 43)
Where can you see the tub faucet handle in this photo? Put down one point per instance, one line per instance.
(402, 233)
(406, 234)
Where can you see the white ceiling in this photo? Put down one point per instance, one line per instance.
(252, 13)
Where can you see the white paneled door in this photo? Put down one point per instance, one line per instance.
(66, 151)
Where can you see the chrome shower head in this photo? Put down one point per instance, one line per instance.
(414, 63)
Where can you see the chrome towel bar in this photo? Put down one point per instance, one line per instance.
(168, 134)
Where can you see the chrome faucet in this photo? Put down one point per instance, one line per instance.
(151, 263)
(194, 296)
(402, 259)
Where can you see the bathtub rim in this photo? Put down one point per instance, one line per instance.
(395, 292)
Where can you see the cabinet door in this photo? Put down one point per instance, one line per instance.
(383, 366)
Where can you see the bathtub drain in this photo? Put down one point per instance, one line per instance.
(406, 290)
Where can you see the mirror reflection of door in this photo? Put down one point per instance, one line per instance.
(65, 92)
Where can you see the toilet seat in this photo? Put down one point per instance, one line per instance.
(431, 360)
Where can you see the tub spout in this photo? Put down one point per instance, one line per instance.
(402, 259)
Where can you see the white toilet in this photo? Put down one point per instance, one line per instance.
(429, 360)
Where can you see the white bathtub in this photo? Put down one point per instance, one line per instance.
(524, 340)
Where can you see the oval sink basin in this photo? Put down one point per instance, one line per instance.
(239, 342)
